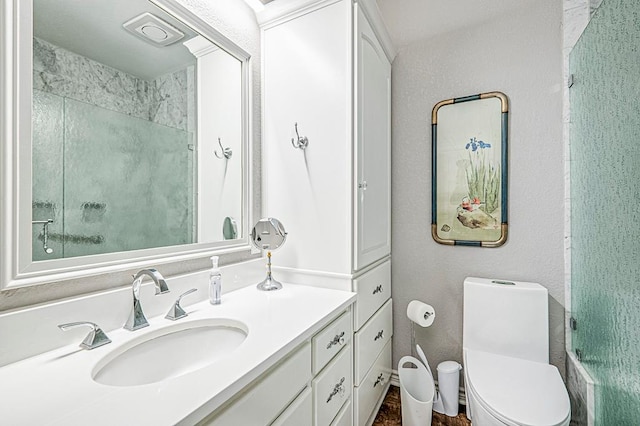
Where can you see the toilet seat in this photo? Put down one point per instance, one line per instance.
(517, 392)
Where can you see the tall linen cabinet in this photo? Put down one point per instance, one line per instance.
(327, 80)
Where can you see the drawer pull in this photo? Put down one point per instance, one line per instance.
(379, 336)
(378, 289)
(337, 340)
(337, 389)
(379, 380)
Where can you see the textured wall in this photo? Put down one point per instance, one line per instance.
(519, 54)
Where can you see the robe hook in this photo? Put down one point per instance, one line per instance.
(226, 152)
(302, 142)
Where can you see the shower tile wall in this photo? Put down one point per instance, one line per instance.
(159, 118)
(164, 100)
(605, 169)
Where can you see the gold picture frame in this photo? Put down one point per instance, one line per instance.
(469, 139)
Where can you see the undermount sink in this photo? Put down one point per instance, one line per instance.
(170, 352)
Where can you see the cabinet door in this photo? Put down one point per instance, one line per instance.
(369, 395)
(373, 143)
(307, 80)
(260, 403)
(332, 388)
(299, 413)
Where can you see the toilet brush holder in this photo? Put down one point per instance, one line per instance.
(445, 400)
(448, 388)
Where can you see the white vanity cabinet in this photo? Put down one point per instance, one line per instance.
(327, 81)
(311, 386)
(263, 401)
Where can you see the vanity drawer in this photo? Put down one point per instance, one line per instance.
(266, 398)
(326, 344)
(299, 413)
(344, 417)
(369, 393)
(332, 388)
(373, 288)
(370, 340)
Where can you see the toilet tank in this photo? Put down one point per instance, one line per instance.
(509, 318)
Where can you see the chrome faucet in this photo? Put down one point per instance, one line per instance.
(136, 317)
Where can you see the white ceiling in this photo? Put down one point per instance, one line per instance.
(409, 21)
(93, 28)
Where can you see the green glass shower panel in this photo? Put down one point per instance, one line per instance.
(605, 221)
(127, 171)
(47, 172)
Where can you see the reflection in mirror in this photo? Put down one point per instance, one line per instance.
(268, 234)
(137, 131)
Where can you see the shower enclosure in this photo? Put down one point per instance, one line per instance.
(77, 148)
(113, 157)
(605, 220)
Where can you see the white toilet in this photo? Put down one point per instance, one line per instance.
(508, 379)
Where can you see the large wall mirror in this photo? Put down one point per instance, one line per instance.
(128, 138)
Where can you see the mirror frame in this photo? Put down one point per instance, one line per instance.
(16, 267)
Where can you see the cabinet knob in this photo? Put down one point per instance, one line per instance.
(363, 185)
(378, 289)
(379, 336)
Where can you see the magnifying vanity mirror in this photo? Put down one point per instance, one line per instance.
(132, 136)
(268, 234)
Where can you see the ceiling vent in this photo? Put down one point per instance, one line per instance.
(153, 30)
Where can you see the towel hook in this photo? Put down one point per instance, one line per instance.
(226, 152)
(302, 142)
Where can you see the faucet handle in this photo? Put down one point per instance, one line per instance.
(94, 339)
(176, 312)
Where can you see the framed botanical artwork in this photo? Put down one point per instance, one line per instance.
(469, 170)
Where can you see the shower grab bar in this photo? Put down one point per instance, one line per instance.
(77, 239)
(45, 233)
(42, 222)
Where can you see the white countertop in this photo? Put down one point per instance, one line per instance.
(56, 388)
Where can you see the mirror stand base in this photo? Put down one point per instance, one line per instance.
(269, 284)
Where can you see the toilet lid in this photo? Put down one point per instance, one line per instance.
(518, 391)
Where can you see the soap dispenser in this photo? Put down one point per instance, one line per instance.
(215, 282)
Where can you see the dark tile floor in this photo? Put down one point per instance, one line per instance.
(390, 414)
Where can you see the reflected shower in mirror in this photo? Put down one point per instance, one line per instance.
(130, 109)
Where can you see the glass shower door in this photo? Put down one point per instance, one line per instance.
(605, 218)
(94, 168)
